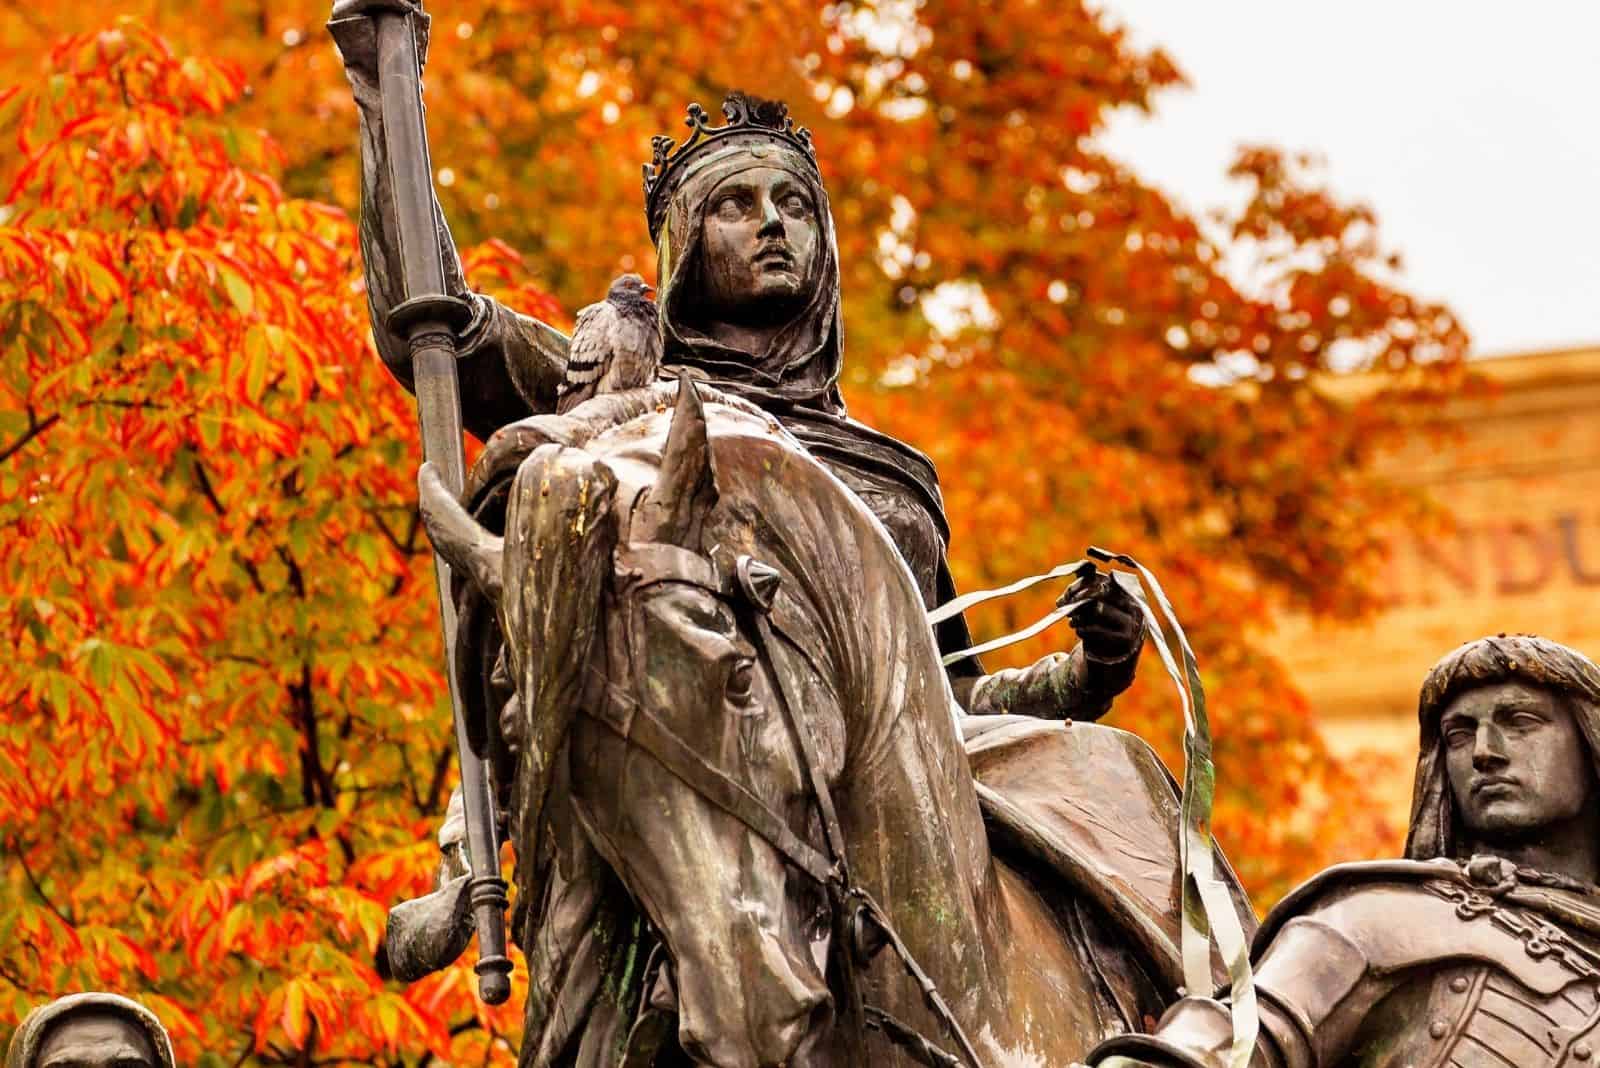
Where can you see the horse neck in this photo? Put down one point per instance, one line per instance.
(911, 820)
(905, 798)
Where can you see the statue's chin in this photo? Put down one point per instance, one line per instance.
(773, 302)
(1507, 824)
(782, 286)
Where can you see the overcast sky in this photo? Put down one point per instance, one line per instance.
(1472, 127)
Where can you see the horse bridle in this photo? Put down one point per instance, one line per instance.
(860, 926)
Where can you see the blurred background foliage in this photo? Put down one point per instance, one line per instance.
(225, 743)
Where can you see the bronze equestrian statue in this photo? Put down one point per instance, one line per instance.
(694, 884)
(1482, 947)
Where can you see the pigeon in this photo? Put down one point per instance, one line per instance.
(616, 345)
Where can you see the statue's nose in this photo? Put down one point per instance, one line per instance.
(771, 217)
(1488, 748)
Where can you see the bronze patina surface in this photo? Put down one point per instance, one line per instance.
(731, 730)
(694, 650)
(748, 270)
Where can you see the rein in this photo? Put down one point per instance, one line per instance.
(860, 926)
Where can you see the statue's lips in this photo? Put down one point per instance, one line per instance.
(1498, 784)
(775, 259)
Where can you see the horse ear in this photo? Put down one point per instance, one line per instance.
(686, 488)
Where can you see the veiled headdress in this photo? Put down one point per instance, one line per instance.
(801, 366)
(25, 1043)
(1526, 658)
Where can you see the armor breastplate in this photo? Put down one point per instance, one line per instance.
(1477, 1015)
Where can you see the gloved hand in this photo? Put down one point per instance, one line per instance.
(1110, 624)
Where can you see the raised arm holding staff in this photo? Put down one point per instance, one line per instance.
(749, 301)
(427, 319)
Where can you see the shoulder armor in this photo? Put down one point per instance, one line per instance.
(1400, 915)
(1300, 900)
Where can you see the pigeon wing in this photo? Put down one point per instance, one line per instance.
(589, 353)
(635, 348)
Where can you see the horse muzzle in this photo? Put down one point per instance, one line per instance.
(758, 1011)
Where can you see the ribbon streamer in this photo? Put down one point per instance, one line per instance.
(961, 604)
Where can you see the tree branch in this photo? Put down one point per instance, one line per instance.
(17, 981)
(401, 545)
(441, 768)
(411, 775)
(36, 426)
(304, 1060)
(244, 1054)
(297, 579)
(33, 881)
(316, 782)
(212, 499)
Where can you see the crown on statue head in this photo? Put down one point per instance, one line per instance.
(750, 119)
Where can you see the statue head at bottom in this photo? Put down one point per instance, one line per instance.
(1448, 961)
(91, 1030)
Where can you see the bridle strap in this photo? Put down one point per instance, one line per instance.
(832, 834)
(655, 561)
(647, 732)
(846, 892)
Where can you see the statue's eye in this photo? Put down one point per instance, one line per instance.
(741, 681)
(731, 207)
(796, 205)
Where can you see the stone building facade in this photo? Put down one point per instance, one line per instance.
(1522, 482)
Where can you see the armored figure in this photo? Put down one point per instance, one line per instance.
(1483, 946)
(91, 1030)
(749, 276)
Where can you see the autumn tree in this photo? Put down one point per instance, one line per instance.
(222, 755)
(225, 741)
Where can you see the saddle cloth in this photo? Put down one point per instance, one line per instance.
(1093, 809)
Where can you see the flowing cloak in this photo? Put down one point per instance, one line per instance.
(25, 1043)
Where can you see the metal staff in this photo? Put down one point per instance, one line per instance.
(428, 319)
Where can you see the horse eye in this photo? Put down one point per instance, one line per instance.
(741, 681)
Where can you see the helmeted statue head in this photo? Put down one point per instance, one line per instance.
(744, 236)
(91, 1030)
(1510, 745)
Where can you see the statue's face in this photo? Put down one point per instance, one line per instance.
(1516, 760)
(760, 242)
(95, 1040)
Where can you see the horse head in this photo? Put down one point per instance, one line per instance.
(637, 596)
